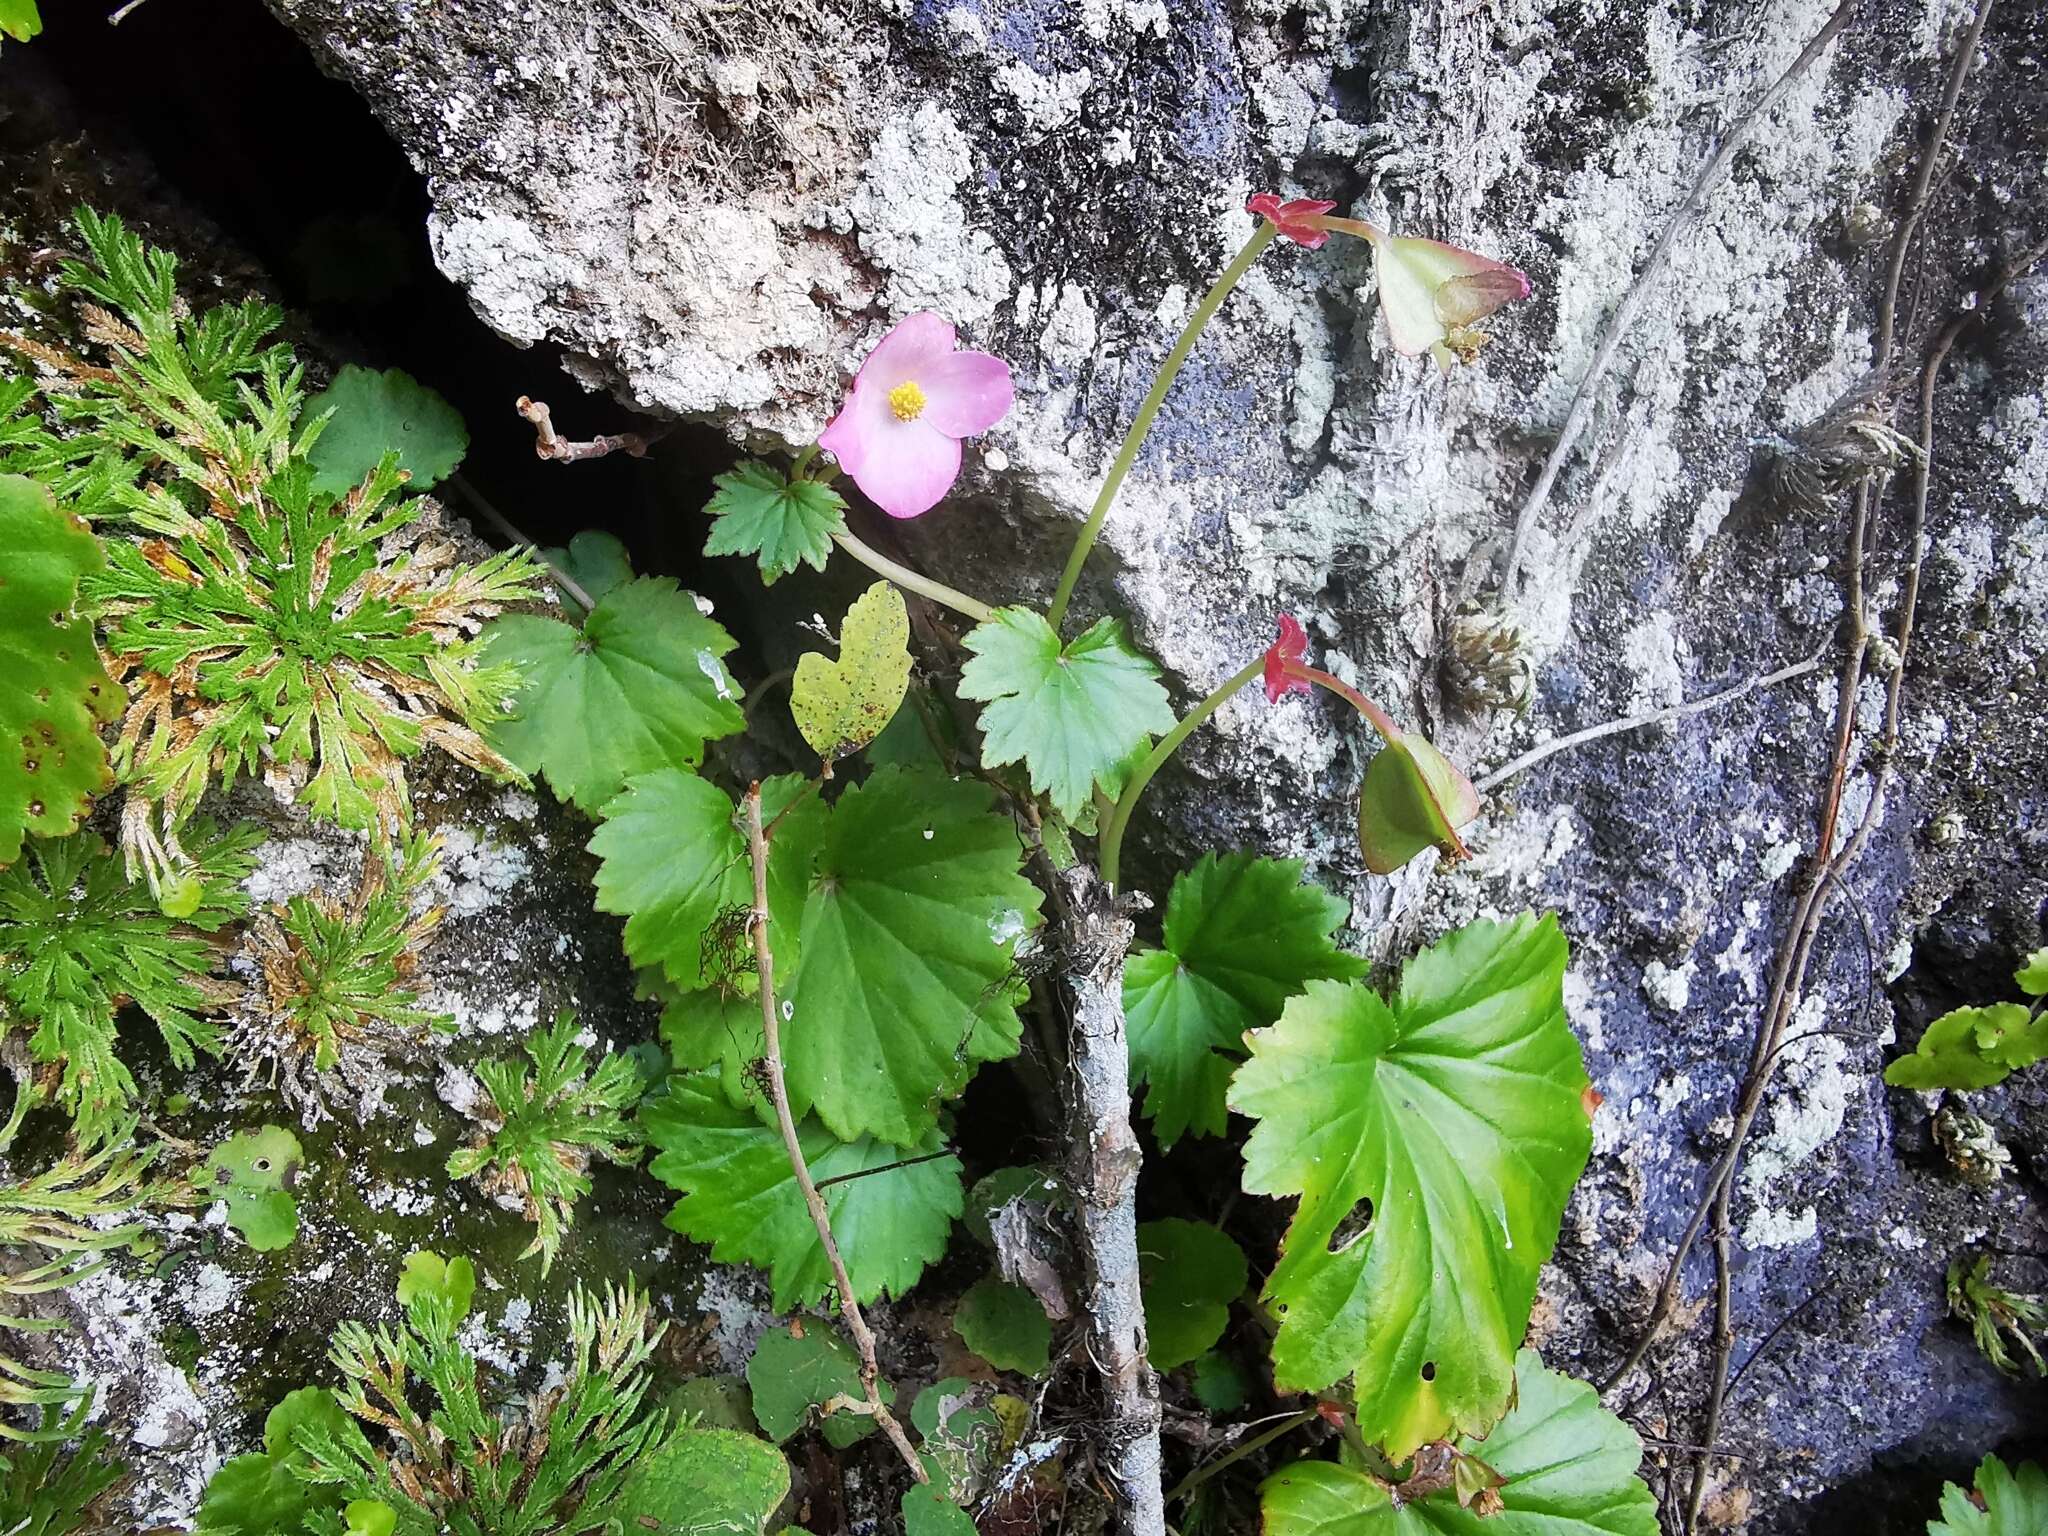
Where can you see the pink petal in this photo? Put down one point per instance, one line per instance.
(914, 345)
(966, 393)
(908, 468)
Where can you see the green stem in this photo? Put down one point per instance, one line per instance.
(803, 458)
(1113, 832)
(1201, 1475)
(911, 581)
(1350, 695)
(1142, 424)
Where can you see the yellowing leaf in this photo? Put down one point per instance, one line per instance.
(1433, 1143)
(841, 706)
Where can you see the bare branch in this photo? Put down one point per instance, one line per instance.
(547, 444)
(771, 1030)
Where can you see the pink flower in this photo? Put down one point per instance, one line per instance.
(1283, 661)
(899, 432)
(1294, 218)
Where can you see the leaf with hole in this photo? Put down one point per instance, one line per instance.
(761, 511)
(1433, 1143)
(1005, 1325)
(795, 1371)
(1973, 1048)
(889, 1215)
(841, 706)
(639, 687)
(904, 979)
(1568, 1468)
(252, 1171)
(1074, 714)
(1242, 935)
(52, 761)
(375, 413)
(1189, 1273)
(2003, 1503)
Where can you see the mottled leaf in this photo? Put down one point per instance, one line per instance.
(841, 706)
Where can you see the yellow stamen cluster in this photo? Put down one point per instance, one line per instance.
(906, 401)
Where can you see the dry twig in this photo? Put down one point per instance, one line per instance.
(1679, 225)
(771, 1029)
(549, 444)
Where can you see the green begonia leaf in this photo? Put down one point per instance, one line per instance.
(1973, 1048)
(903, 984)
(675, 863)
(597, 562)
(1190, 1274)
(252, 1172)
(427, 1277)
(1441, 1137)
(369, 1517)
(1243, 934)
(761, 511)
(928, 1512)
(1074, 715)
(378, 413)
(991, 1193)
(715, 1402)
(2014, 1503)
(704, 1480)
(639, 687)
(740, 1196)
(1569, 1468)
(841, 706)
(52, 761)
(2032, 975)
(1219, 1382)
(260, 1494)
(20, 20)
(1005, 1325)
(791, 1374)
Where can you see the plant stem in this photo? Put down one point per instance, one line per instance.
(802, 461)
(911, 581)
(1170, 743)
(771, 1030)
(1141, 424)
(1201, 1475)
(504, 525)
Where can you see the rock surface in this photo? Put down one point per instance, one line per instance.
(716, 209)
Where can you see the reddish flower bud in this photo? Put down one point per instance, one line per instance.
(1283, 657)
(1295, 219)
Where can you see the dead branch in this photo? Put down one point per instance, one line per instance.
(778, 1093)
(1104, 1176)
(548, 444)
(1680, 224)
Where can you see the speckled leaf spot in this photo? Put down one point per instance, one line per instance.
(1433, 1142)
(52, 761)
(1568, 1468)
(641, 686)
(841, 706)
(1075, 715)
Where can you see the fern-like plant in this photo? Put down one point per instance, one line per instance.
(256, 620)
(56, 1228)
(49, 1489)
(554, 1465)
(333, 988)
(78, 942)
(1995, 1314)
(544, 1126)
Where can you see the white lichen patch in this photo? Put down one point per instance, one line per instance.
(913, 225)
(1669, 988)
(477, 871)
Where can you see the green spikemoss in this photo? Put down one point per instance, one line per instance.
(258, 621)
(549, 1124)
(333, 989)
(77, 941)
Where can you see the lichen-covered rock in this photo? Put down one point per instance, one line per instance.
(715, 209)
